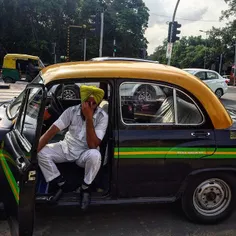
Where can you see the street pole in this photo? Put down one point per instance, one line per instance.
(68, 42)
(205, 57)
(101, 33)
(55, 55)
(85, 47)
(85, 40)
(234, 61)
(205, 46)
(171, 32)
(205, 51)
(114, 44)
(221, 58)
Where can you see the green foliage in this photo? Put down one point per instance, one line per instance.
(191, 51)
(31, 26)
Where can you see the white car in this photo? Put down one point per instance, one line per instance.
(214, 80)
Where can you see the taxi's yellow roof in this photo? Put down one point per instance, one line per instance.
(146, 71)
(20, 56)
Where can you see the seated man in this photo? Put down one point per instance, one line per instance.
(87, 126)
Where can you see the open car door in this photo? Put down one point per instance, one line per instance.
(19, 162)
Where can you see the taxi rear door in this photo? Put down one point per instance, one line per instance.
(19, 162)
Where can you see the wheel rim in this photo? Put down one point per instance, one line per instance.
(218, 93)
(69, 94)
(212, 197)
(145, 96)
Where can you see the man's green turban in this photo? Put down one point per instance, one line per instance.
(87, 91)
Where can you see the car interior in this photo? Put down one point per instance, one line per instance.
(61, 97)
(161, 109)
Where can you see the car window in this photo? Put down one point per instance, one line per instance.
(187, 111)
(156, 104)
(71, 90)
(141, 103)
(27, 122)
(201, 75)
(212, 75)
(14, 107)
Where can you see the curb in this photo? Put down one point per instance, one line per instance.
(4, 86)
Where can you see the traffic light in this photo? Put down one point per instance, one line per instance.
(175, 31)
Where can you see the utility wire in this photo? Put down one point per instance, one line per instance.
(183, 18)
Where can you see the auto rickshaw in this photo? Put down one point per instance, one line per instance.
(20, 67)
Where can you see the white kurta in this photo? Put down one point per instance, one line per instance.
(74, 147)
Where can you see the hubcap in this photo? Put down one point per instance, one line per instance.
(212, 197)
(69, 94)
(144, 96)
(218, 93)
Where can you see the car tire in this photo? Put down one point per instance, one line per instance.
(219, 92)
(145, 93)
(71, 91)
(209, 198)
(8, 80)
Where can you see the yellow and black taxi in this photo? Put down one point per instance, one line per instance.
(169, 138)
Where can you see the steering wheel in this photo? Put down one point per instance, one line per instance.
(56, 105)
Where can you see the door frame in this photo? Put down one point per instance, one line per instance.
(21, 222)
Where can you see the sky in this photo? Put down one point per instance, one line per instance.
(193, 15)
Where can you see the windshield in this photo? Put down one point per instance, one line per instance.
(192, 72)
(41, 64)
(14, 107)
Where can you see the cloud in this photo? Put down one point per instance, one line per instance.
(193, 15)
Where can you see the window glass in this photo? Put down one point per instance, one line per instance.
(146, 103)
(151, 103)
(14, 107)
(187, 111)
(211, 75)
(201, 75)
(27, 122)
(70, 91)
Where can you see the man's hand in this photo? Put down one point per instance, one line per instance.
(51, 132)
(87, 110)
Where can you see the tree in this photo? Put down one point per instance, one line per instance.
(31, 26)
(187, 52)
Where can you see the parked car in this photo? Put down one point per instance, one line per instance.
(180, 145)
(213, 79)
(227, 79)
(20, 67)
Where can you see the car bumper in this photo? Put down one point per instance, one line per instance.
(225, 89)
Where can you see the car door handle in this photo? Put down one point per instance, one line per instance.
(200, 134)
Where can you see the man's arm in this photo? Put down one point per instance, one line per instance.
(50, 133)
(92, 140)
(94, 135)
(61, 123)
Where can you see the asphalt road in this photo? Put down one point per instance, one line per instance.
(135, 220)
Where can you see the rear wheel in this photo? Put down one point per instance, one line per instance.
(209, 198)
(219, 93)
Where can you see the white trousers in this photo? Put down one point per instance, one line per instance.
(53, 153)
